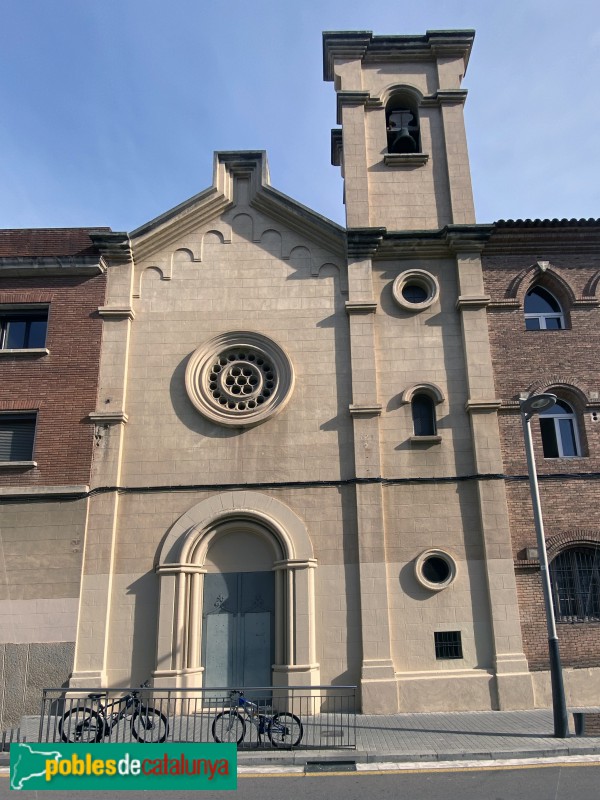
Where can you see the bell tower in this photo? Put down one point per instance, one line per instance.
(401, 146)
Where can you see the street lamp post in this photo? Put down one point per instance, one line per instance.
(533, 405)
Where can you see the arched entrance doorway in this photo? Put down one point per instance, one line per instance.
(238, 608)
(237, 596)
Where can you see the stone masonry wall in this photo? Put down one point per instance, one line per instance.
(26, 669)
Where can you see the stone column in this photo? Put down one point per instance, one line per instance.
(179, 645)
(513, 681)
(295, 643)
(351, 113)
(93, 630)
(378, 682)
(457, 157)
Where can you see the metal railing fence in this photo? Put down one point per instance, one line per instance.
(11, 736)
(290, 717)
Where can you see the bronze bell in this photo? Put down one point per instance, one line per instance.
(403, 142)
(400, 139)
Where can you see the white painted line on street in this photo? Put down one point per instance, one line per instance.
(382, 766)
(269, 769)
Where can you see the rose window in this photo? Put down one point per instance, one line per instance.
(239, 378)
(242, 380)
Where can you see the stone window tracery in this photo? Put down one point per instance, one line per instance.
(240, 378)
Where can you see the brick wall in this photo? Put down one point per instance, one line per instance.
(61, 386)
(532, 361)
(579, 642)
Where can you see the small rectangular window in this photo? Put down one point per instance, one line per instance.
(17, 433)
(448, 644)
(23, 329)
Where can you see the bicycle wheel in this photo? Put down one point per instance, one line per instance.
(81, 725)
(149, 725)
(285, 730)
(228, 726)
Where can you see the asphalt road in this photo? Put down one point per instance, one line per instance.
(555, 782)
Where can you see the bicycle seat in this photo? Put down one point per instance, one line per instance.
(95, 696)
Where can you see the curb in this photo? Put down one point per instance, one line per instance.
(301, 758)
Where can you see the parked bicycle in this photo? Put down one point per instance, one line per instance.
(284, 729)
(84, 724)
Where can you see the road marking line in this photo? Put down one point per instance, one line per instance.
(270, 770)
(506, 763)
(413, 767)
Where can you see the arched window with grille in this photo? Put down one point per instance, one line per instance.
(542, 310)
(575, 580)
(423, 414)
(560, 436)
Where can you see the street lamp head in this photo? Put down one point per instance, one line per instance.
(537, 403)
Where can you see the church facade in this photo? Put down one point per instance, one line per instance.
(304, 458)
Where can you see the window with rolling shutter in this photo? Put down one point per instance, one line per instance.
(17, 432)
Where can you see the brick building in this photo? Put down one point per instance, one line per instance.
(552, 269)
(307, 463)
(52, 283)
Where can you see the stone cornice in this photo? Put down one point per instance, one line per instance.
(25, 491)
(482, 406)
(474, 301)
(360, 307)
(343, 44)
(445, 98)
(303, 220)
(178, 222)
(363, 410)
(350, 99)
(352, 45)
(364, 242)
(190, 215)
(178, 569)
(117, 312)
(114, 246)
(29, 266)
(442, 243)
(467, 238)
(295, 563)
(108, 417)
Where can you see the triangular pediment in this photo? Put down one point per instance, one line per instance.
(240, 178)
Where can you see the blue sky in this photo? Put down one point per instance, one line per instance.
(110, 109)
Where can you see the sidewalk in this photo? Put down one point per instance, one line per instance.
(470, 736)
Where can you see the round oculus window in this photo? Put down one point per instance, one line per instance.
(239, 379)
(435, 569)
(415, 289)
